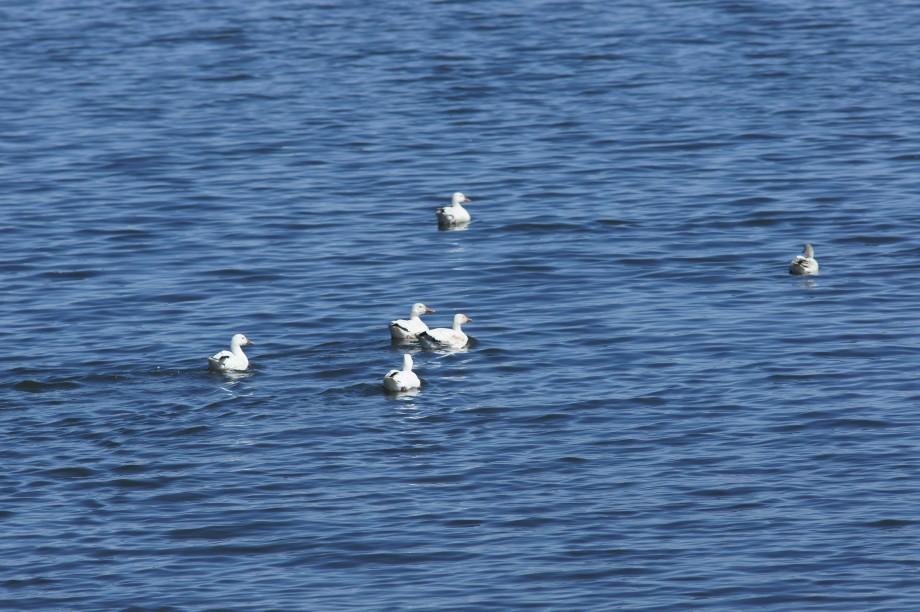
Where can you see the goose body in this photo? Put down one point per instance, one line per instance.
(406, 330)
(234, 359)
(454, 214)
(451, 337)
(402, 380)
(805, 263)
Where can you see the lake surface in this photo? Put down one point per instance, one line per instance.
(653, 415)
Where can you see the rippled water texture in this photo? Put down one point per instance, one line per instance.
(653, 414)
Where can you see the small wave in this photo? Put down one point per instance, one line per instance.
(70, 472)
(178, 298)
(545, 227)
(723, 492)
(808, 376)
(758, 222)
(821, 424)
(228, 531)
(182, 497)
(889, 523)
(38, 581)
(462, 523)
(758, 136)
(35, 386)
(855, 424)
(228, 78)
(129, 235)
(70, 274)
(533, 268)
(363, 389)
(871, 240)
(136, 483)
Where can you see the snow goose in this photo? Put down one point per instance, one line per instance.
(408, 329)
(454, 214)
(447, 337)
(402, 380)
(805, 263)
(234, 359)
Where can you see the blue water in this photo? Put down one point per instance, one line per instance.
(654, 415)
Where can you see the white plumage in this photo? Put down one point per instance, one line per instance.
(409, 329)
(454, 214)
(231, 360)
(402, 380)
(805, 263)
(447, 336)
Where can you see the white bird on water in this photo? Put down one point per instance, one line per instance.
(232, 360)
(409, 329)
(447, 336)
(402, 380)
(806, 263)
(454, 214)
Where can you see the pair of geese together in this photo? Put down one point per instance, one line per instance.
(456, 215)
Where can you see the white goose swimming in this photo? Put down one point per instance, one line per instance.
(447, 337)
(231, 360)
(402, 380)
(409, 329)
(805, 263)
(454, 214)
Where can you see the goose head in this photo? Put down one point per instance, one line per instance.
(240, 340)
(459, 198)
